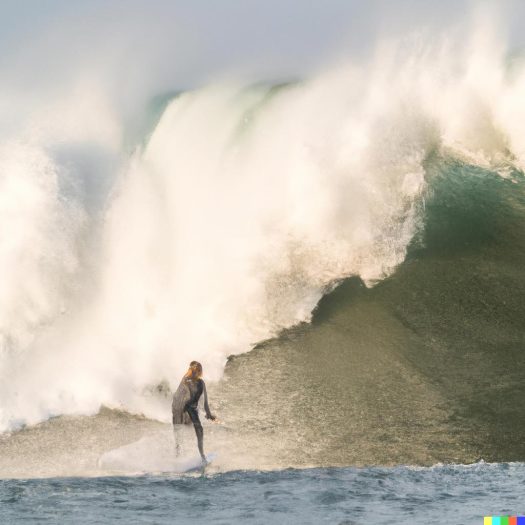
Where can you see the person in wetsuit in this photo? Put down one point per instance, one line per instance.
(185, 405)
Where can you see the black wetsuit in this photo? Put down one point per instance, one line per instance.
(185, 406)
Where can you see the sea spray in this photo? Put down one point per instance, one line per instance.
(38, 258)
(243, 207)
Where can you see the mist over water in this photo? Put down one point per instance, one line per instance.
(228, 217)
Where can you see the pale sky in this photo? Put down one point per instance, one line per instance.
(189, 40)
(142, 47)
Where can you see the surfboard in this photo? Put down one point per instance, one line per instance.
(146, 456)
(195, 464)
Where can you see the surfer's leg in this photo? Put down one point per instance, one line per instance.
(177, 434)
(194, 415)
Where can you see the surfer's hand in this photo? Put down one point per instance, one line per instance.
(211, 416)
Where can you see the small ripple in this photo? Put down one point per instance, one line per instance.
(330, 498)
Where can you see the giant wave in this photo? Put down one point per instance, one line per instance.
(235, 215)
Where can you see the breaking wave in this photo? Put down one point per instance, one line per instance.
(240, 209)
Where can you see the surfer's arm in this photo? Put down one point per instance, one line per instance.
(209, 415)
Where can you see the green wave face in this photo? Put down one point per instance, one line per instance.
(425, 367)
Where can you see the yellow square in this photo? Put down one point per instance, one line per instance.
(487, 520)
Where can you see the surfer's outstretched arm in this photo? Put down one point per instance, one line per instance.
(209, 415)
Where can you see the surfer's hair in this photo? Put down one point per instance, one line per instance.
(195, 370)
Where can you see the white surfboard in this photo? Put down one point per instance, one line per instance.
(148, 455)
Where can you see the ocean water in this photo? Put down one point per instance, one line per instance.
(442, 494)
(343, 253)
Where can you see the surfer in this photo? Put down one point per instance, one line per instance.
(185, 406)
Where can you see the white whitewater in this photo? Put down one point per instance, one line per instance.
(151, 454)
(230, 223)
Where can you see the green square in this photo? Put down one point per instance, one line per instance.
(504, 520)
